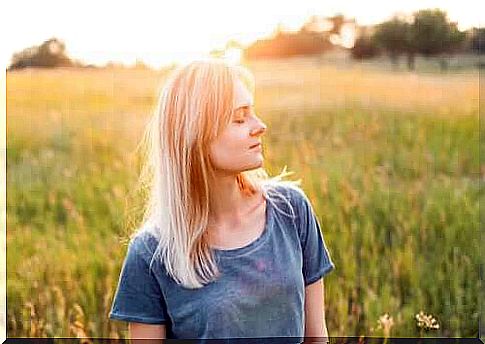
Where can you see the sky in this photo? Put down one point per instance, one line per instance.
(161, 32)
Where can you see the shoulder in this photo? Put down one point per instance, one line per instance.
(287, 197)
(287, 190)
(143, 243)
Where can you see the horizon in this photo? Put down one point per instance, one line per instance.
(122, 39)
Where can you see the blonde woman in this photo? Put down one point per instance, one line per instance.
(224, 251)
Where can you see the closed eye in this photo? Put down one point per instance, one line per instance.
(241, 112)
(244, 108)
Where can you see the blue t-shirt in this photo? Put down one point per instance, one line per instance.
(260, 292)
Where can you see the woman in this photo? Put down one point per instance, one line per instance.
(224, 251)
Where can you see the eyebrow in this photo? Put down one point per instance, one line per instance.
(243, 107)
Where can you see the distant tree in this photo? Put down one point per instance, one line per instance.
(284, 44)
(434, 35)
(364, 47)
(477, 40)
(395, 37)
(316, 36)
(430, 33)
(50, 54)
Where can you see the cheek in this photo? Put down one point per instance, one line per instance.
(227, 149)
(230, 140)
(224, 150)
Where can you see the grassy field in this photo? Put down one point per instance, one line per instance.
(390, 161)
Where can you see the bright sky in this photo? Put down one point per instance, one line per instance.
(160, 32)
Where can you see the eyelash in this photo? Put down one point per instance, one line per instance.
(241, 121)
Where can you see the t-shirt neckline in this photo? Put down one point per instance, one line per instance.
(253, 245)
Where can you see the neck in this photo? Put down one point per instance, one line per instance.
(228, 204)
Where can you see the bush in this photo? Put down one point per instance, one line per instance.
(364, 48)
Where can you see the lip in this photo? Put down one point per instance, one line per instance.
(257, 145)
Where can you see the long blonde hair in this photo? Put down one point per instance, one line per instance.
(194, 107)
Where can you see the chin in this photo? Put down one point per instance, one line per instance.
(256, 166)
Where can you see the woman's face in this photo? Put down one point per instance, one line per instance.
(234, 150)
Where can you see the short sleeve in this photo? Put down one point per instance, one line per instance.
(138, 297)
(316, 258)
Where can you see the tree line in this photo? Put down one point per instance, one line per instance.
(427, 33)
(50, 54)
(313, 38)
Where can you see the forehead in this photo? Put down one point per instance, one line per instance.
(242, 96)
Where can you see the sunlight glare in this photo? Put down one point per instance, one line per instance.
(159, 34)
(233, 55)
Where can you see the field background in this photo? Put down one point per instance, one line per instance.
(389, 158)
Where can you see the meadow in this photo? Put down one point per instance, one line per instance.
(389, 159)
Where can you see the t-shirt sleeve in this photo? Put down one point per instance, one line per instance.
(138, 297)
(316, 258)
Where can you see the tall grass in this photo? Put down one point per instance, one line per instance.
(390, 162)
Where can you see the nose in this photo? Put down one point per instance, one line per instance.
(260, 128)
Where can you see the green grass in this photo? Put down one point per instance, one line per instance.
(390, 162)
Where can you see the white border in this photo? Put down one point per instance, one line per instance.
(3, 205)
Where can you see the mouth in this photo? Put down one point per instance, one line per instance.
(255, 145)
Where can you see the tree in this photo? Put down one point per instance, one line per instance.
(395, 37)
(50, 54)
(429, 33)
(434, 35)
(364, 48)
(477, 40)
(287, 44)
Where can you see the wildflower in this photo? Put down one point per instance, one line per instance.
(426, 322)
(385, 323)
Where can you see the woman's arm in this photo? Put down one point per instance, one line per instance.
(146, 331)
(315, 325)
